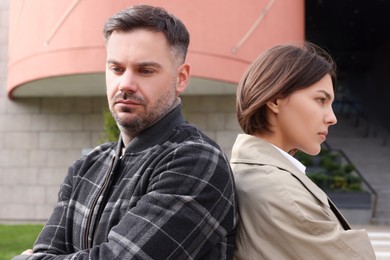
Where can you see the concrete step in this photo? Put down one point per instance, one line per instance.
(381, 243)
(380, 240)
(372, 159)
(371, 155)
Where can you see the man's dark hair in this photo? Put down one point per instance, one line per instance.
(151, 18)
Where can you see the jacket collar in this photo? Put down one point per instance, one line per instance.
(158, 132)
(249, 149)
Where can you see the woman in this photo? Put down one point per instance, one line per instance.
(284, 104)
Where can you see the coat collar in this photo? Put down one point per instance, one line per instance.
(159, 132)
(249, 149)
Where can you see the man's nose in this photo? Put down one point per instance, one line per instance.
(127, 82)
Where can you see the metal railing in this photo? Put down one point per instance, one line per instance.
(370, 189)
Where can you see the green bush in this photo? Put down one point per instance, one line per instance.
(305, 159)
(320, 178)
(111, 130)
(329, 172)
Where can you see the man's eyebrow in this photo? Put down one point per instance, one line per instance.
(112, 61)
(140, 64)
(149, 64)
(327, 95)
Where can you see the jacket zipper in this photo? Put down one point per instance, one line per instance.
(87, 245)
(105, 197)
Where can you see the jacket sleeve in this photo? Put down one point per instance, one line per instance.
(187, 212)
(281, 219)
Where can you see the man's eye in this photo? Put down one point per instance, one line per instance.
(117, 70)
(146, 71)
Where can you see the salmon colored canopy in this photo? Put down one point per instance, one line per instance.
(56, 48)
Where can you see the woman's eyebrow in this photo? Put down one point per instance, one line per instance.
(327, 95)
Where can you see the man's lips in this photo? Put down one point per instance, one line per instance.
(127, 102)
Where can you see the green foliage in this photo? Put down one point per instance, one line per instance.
(111, 130)
(305, 159)
(329, 172)
(14, 239)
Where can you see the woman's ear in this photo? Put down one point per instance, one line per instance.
(273, 105)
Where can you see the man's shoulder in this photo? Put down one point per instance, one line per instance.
(191, 134)
(98, 154)
(102, 149)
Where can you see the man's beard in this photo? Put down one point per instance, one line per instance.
(139, 122)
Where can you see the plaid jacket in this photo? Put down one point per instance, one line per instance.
(169, 196)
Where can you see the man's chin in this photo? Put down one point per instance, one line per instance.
(128, 121)
(125, 115)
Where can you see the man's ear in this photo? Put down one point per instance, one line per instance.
(273, 106)
(183, 78)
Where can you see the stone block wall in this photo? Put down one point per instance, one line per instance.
(216, 116)
(39, 139)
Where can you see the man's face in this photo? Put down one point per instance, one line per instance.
(143, 78)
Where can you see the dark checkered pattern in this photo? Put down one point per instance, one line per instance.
(170, 197)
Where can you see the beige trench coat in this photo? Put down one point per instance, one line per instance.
(284, 215)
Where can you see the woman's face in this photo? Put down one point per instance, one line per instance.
(301, 120)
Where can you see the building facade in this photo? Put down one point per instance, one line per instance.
(52, 98)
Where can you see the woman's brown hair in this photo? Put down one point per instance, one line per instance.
(277, 73)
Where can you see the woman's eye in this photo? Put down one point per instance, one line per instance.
(322, 100)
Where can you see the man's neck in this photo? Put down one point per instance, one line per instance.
(128, 136)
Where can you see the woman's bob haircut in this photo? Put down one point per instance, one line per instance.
(277, 73)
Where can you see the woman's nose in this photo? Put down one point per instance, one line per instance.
(331, 117)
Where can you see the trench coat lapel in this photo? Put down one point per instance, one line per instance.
(253, 150)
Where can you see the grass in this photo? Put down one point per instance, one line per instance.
(14, 239)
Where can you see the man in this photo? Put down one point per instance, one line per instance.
(165, 190)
